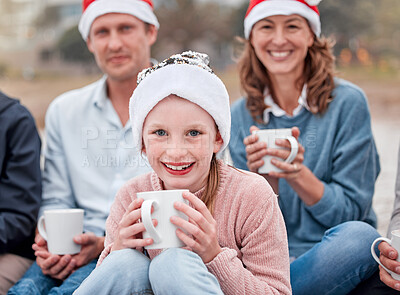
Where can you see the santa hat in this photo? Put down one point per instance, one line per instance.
(188, 76)
(260, 9)
(142, 9)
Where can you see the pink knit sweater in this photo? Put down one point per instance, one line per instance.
(251, 232)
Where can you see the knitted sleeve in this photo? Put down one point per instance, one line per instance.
(121, 203)
(263, 267)
(354, 164)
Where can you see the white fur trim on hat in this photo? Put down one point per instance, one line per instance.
(188, 81)
(281, 7)
(137, 8)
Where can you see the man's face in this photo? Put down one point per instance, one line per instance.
(121, 45)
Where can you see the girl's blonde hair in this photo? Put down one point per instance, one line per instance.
(318, 75)
(213, 180)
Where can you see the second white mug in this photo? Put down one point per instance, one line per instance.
(164, 234)
(270, 136)
(58, 227)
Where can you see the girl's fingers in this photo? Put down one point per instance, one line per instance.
(188, 227)
(187, 240)
(132, 214)
(199, 210)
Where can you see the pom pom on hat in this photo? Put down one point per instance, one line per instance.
(185, 75)
(260, 9)
(92, 9)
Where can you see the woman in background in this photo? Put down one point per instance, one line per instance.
(325, 194)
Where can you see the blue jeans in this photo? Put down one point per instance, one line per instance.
(338, 263)
(175, 271)
(34, 282)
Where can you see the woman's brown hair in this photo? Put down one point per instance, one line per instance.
(318, 75)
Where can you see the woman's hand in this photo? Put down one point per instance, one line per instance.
(129, 232)
(201, 228)
(388, 259)
(289, 170)
(255, 150)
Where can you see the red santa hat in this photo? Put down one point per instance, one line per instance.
(260, 9)
(92, 9)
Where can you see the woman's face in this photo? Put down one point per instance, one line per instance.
(179, 140)
(281, 43)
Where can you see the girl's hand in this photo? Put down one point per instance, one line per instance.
(255, 150)
(129, 232)
(289, 170)
(201, 228)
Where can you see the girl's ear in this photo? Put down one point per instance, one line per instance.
(218, 143)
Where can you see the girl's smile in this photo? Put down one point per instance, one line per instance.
(178, 168)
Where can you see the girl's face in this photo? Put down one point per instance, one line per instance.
(281, 43)
(179, 141)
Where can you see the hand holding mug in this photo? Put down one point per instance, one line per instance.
(129, 232)
(275, 152)
(287, 168)
(390, 260)
(255, 150)
(200, 231)
(53, 265)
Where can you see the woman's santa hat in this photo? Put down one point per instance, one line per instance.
(92, 9)
(260, 9)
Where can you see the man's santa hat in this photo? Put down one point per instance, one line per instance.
(260, 9)
(92, 9)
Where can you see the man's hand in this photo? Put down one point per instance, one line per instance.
(55, 266)
(60, 267)
(91, 248)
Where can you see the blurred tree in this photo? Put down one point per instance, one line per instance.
(49, 17)
(347, 20)
(72, 48)
(188, 24)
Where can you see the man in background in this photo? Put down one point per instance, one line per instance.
(89, 154)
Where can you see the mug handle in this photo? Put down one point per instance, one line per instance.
(374, 254)
(147, 221)
(294, 148)
(41, 229)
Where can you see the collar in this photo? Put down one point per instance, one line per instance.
(100, 97)
(276, 109)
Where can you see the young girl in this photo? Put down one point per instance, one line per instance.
(236, 235)
(286, 71)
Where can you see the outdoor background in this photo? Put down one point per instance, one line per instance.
(42, 55)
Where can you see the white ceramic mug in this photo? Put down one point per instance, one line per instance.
(58, 227)
(270, 136)
(164, 234)
(395, 243)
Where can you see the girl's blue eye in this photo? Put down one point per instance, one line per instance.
(161, 132)
(194, 132)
